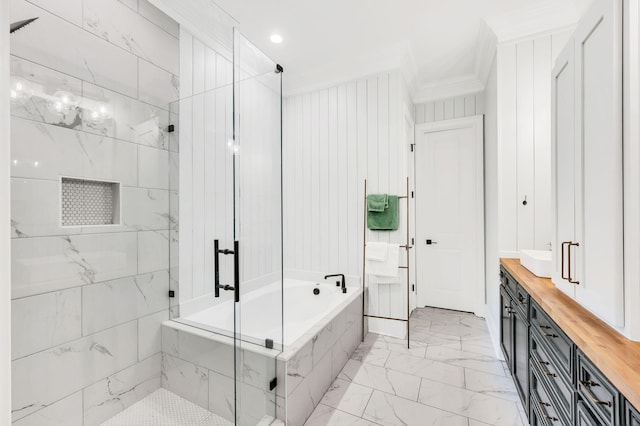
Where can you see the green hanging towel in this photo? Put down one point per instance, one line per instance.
(386, 220)
(377, 202)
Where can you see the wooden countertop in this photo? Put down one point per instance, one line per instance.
(615, 355)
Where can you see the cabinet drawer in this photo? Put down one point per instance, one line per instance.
(521, 300)
(631, 415)
(584, 417)
(508, 282)
(541, 398)
(561, 348)
(546, 367)
(597, 392)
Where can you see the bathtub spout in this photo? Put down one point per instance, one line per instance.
(344, 287)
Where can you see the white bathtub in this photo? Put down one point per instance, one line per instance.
(259, 311)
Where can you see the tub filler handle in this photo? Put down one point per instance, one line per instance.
(236, 269)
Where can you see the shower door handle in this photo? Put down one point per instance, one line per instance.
(236, 269)
(216, 268)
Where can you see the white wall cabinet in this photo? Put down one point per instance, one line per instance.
(587, 164)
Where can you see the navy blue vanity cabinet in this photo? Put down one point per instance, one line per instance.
(631, 415)
(557, 383)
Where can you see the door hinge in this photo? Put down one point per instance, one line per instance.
(413, 287)
(171, 128)
(273, 383)
(172, 293)
(413, 241)
(412, 194)
(412, 146)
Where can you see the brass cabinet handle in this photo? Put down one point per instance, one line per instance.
(544, 414)
(552, 335)
(588, 383)
(562, 275)
(571, 280)
(544, 370)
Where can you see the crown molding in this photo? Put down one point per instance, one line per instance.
(449, 88)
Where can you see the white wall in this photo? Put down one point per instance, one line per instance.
(5, 214)
(334, 139)
(492, 281)
(524, 141)
(446, 109)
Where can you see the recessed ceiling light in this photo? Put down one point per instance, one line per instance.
(276, 38)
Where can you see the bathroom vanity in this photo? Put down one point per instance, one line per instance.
(570, 368)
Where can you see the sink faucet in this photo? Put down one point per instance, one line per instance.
(344, 287)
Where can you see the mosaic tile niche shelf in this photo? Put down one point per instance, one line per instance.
(89, 202)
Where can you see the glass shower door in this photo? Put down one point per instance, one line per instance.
(257, 147)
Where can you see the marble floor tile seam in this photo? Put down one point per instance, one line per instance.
(411, 400)
(342, 411)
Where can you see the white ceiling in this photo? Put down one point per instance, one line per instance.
(329, 41)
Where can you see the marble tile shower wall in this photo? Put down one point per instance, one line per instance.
(91, 84)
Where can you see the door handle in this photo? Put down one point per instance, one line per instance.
(236, 269)
(429, 242)
(564, 243)
(571, 280)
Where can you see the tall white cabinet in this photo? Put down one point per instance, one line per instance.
(587, 164)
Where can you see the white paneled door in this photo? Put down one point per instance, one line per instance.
(450, 214)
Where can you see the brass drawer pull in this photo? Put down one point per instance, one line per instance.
(588, 383)
(550, 335)
(545, 327)
(544, 414)
(544, 370)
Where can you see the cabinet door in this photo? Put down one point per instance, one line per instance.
(521, 357)
(598, 74)
(563, 160)
(506, 331)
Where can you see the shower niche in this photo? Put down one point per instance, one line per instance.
(85, 202)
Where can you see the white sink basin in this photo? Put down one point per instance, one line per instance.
(537, 261)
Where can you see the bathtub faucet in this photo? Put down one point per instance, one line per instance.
(344, 287)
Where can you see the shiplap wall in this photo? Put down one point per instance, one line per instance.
(334, 139)
(524, 141)
(446, 109)
(206, 172)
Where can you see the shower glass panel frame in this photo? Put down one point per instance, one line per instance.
(229, 172)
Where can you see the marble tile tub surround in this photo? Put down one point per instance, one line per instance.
(198, 366)
(450, 376)
(89, 301)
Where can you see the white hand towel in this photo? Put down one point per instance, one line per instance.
(377, 251)
(387, 268)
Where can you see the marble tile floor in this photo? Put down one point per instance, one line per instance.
(450, 376)
(164, 408)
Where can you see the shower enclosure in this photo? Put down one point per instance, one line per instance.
(226, 273)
